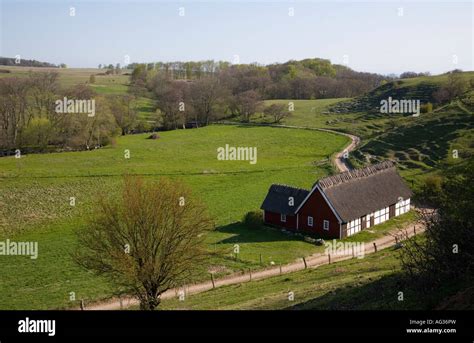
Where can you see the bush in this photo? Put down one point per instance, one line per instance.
(142, 126)
(426, 108)
(38, 132)
(429, 190)
(253, 219)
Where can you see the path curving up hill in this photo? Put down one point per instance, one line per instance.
(340, 159)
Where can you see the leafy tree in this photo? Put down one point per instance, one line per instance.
(446, 254)
(38, 132)
(148, 241)
(123, 110)
(139, 76)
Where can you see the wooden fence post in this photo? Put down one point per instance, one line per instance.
(212, 280)
(375, 247)
(250, 272)
(305, 264)
(82, 304)
(414, 229)
(329, 258)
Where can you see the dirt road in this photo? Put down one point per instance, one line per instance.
(312, 261)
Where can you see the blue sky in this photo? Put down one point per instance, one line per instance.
(372, 35)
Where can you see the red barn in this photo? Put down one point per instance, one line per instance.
(340, 205)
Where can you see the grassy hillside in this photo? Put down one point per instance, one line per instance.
(423, 143)
(420, 145)
(68, 77)
(420, 88)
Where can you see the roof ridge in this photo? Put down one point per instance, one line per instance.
(287, 186)
(356, 174)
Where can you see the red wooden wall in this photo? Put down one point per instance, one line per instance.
(318, 208)
(274, 219)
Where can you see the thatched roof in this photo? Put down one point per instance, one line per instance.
(277, 199)
(361, 191)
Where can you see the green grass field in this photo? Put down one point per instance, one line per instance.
(68, 77)
(36, 189)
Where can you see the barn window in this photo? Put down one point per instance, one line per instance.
(283, 218)
(326, 225)
(381, 215)
(353, 226)
(310, 221)
(402, 207)
(367, 220)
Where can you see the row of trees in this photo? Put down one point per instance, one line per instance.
(110, 68)
(207, 91)
(19, 62)
(29, 117)
(205, 100)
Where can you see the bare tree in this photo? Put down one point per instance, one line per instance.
(277, 112)
(246, 104)
(455, 86)
(205, 96)
(171, 103)
(149, 241)
(14, 114)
